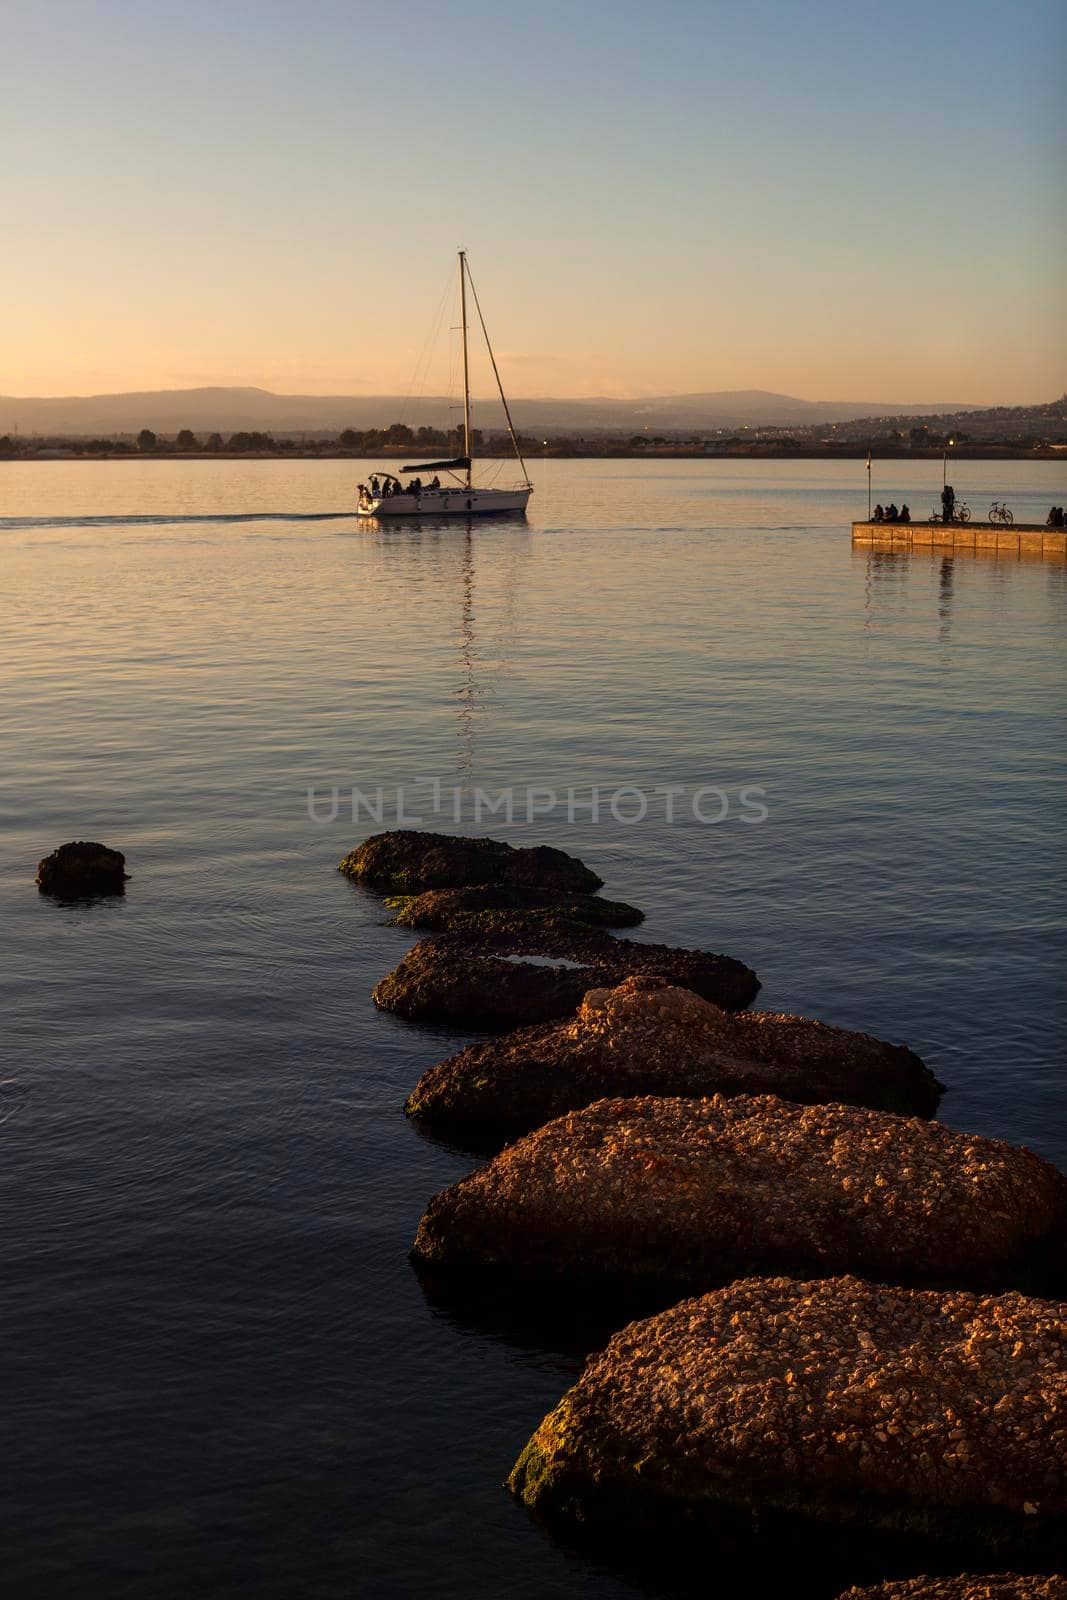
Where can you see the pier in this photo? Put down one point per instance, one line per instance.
(1020, 539)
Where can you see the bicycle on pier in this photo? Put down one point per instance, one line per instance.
(961, 512)
(998, 512)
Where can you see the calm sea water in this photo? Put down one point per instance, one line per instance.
(222, 1375)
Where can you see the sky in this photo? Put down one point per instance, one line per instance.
(835, 199)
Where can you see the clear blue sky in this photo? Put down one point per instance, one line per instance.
(835, 200)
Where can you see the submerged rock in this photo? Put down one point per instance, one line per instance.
(838, 1400)
(406, 861)
(504, 979)
(492, 907)
(82, 869)
(1001, 1586)
(649, 1037)
(687, 1193)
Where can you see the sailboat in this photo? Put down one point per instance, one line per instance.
(457, 495)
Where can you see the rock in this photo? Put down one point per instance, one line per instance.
(648, 1037)
(841, 1401)
(82, 869)
(509, 978)
(1003, 1586)
(405, 862)
(688, 1193)
(494, 907)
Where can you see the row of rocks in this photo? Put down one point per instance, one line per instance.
(521, 937)
(667, 1140)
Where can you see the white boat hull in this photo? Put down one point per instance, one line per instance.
(456, 502)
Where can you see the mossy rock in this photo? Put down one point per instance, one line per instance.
(510, 978)
(489, 908)
(407, 861)
(839, 1403)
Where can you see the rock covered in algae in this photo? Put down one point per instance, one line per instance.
(511, 977)
(845, 1401)
(966, 1586)
(81, 869)
(490, 907)
(649, 1037)
(690, 1192)
(406, 861)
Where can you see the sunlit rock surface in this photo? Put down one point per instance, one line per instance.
(648, 1037)
(692, 1192)
(849, 1402)
(1001, 1586)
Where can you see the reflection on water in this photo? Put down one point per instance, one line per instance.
(466, 691)
(225, 1376)
(944, 603)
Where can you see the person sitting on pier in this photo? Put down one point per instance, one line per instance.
(905, 513)
(879, 515)
(1055, 518)
(948, 503)
(891, 512)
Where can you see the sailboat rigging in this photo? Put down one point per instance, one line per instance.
(389, 496)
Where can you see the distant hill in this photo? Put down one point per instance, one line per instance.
(229, 410)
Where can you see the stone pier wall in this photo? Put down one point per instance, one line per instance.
(1022, 539)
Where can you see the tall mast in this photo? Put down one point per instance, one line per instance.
(466, 364)
(500, 386)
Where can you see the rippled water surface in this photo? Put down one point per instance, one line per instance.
(223, 1376)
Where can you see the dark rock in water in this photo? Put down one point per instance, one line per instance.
(837, 1401)
(1001, 1586)
(689, 1193)
(507, 979)
(493, 907)
(82, 869)
(405, 861)
(648, 1037)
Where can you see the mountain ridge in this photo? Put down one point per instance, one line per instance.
(229, 408)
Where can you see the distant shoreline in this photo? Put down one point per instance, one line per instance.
(746, 453)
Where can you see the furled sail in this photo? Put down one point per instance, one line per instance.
(460, 464)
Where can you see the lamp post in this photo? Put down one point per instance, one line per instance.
(944, 462)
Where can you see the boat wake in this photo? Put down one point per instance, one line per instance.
(166, 519)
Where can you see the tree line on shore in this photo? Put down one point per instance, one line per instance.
(370, 441)
(1033, 429)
